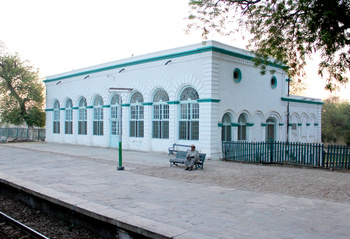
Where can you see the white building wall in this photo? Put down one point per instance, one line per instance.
(209, 72)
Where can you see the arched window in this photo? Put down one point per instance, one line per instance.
(226, 128)
(160, 115)
(136, 115)
(270, 129)
(56, 117)
(68, 129)
(115, 104)
(242, 127)
(98, 116)
(82, 119)
(189, 115)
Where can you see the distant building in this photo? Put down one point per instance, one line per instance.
(200, 94)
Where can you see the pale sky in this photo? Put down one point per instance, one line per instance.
(59, 36)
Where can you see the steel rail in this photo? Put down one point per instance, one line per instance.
(23, 227)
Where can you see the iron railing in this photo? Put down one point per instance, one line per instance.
(303, 154)
(22, 133)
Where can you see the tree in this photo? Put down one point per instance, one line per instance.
(336, 121)
(287, 30)
(21, 93)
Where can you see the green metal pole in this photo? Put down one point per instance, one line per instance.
(120, 139)
(120, 157)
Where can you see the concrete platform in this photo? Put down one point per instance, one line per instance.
(86, 179)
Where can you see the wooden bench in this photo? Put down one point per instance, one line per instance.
(181, 157)
(173, 149)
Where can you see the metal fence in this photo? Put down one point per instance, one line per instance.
(303, 154)
(22, 133)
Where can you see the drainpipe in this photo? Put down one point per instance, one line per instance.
(288, 112)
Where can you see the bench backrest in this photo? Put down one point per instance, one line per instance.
(202, 157)
(181, 154)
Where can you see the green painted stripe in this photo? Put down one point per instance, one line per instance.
(159, 58)
(234, 124)
(280, 124)
(220, 124)
(48, 109)
(75, 108)
(208, 100)
(316, 124)
(125, 105)
(250, 124)
(300, 124)
(173, 102)
(89, 107)
(62, 108)
(106, 106)
(308, 124)
(302, 101)
(147, 103)
(263, 124)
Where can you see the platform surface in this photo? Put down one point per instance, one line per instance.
(86, 178)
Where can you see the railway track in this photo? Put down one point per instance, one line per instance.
(23, 228)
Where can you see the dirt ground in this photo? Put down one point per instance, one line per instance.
(285, 180)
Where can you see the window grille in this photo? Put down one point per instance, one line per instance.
(98, 116)
(136, 115)
(82, 117)
(69, 117)
(226, 130)
(56, 118)
(114, 115)
(242, 127)
(189, 115)
(160, 124)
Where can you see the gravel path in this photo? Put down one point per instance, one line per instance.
(285, 180)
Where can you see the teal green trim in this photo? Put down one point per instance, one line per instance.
(208, 100)
(234, 124)
(106, 106)
(62, 108)
(308, 124)
(290, 125)
(280, 124)
(249, 124)
(288, 79)
(220, 124)
(147, 103)
(159, 58)
(48, 109)
(316, 124)
(273, 82)
(263, 124)
(89, 107)
(239, 75)
(300, 124)
(302, 101)
(173, 102)
(75, 108)
(125, 105)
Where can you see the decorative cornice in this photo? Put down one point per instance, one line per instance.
(263, 124)
(159, 58)
(280, 124)
(220, 124)
(250, 124)
(234, 124)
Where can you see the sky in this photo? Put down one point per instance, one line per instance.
(65, 35)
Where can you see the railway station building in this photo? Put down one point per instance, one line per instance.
(200, 94)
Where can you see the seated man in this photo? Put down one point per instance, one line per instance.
(191, 158)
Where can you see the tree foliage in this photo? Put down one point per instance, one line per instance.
(336, 121)
(21, 92)
(287, 30)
